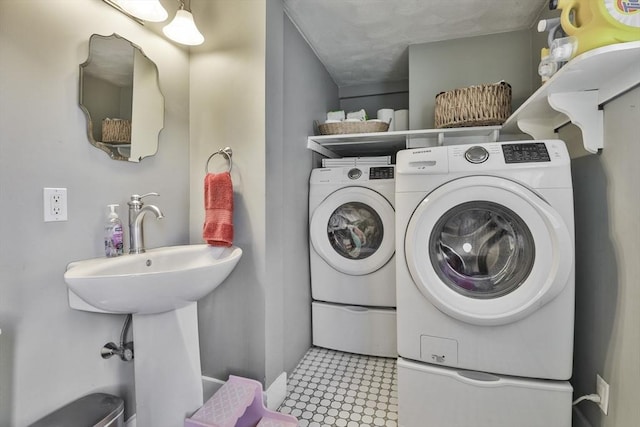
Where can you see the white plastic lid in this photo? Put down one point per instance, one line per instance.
(113, 213)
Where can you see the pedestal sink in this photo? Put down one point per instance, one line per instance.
(160, 288)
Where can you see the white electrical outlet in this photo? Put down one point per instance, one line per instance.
(602, 388)
(55, 204)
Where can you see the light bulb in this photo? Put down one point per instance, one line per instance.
(147, 10)
(183, 29)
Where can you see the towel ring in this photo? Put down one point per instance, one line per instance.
(226, 152)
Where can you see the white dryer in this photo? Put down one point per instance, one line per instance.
(352, 236)
(485, 258)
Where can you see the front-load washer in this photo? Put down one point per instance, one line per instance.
(352, 248)
(485, 257)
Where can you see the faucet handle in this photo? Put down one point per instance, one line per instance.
(136, 199)
(148, 194)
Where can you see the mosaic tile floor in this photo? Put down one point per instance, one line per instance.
(330, 388)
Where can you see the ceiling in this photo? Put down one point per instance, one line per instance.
(366, 41)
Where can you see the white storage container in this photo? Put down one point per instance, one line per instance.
(429, 395)
(355, 329)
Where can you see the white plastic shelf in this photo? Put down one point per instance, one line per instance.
(388, 143)
(574, 94)
(577, 92)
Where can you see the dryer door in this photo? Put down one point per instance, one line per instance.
(487, 250)
(353, 230)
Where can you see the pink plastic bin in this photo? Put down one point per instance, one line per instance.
(238, 403)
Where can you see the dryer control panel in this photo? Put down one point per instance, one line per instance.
(381, 172)
(352, 175)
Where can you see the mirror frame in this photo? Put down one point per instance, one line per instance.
(151, 128)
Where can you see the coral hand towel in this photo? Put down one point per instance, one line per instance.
(218, 205)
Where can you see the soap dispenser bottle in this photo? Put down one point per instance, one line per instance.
(113, 235)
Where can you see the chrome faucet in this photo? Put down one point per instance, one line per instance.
(137, 210)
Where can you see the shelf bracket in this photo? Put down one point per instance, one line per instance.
(538, 129)
(582, 109)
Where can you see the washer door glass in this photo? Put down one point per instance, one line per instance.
(482, 249)
(355, 230)
(487, 251)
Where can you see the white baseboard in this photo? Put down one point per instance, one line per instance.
(131, 422)
(209, 386)
(277, 392)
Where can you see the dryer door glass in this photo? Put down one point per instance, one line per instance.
(481, 249)
(355, 230)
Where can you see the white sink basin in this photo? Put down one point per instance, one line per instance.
(156, 281)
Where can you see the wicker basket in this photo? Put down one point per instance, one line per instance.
(341, 128)
(482, 105)
(116, 131)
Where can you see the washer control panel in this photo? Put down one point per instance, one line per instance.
(525, 152)
(482, 157)
(476, 154)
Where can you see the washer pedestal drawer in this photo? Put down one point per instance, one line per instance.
(355, 329)
(429, 395)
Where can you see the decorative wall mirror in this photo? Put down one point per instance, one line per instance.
(120, 95)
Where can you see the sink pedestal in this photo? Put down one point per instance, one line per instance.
(168, 376)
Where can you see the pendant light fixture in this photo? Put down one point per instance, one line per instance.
(146, 10)
(183, 28)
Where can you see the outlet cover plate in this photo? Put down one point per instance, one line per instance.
(55, 204)
(602, 389)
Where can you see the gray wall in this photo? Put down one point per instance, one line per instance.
(276, 215)
(309, 92)
(607, 204)
(442, 66)
(373, 97)
(259, 89)
(49, 354)
(227, 109)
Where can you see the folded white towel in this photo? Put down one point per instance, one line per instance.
(336, 115)
(357, 115)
